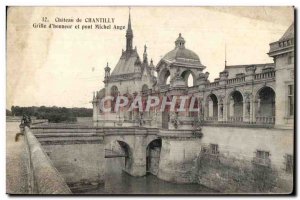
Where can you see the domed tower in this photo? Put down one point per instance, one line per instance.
(178, 62)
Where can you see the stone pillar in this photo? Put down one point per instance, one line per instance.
(250, 72)
(137, 162)
(231, 107)
(210, 108)
(247, 107)
(245, 114)
(95, 107)
(205, 111)
(252, 109)
(225, 109)
(202, 80)
(220, 110)
(223, 77)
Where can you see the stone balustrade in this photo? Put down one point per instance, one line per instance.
(265, 75)
(235, 119)
(235, 80)
(212, 118)
(265, 120)
(238, 80)
(213, 84)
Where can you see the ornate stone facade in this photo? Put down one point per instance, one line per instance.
(246, 115)
(243, 94)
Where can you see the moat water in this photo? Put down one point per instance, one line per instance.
(119, 182)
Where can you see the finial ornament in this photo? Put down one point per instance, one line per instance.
(179, 41)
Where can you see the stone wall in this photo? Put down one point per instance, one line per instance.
(77, 153)
(177, 160)
(233, 169)
(231, 175)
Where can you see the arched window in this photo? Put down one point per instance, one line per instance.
(188, 76)
(164, 77)
(212, 108)
(114, 92)
(265, 106)
(235, 106)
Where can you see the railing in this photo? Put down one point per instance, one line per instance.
(262, 161)
(264, 75)
(235, 80)
(265, 120)
(211, 118)
(235, 119)
(213, 84)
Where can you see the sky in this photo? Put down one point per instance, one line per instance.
(58, 67)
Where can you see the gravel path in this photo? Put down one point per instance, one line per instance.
(16, 172)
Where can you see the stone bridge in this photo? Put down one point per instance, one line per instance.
(133, 142)
(79, 152)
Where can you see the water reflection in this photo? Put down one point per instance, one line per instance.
(119, 182)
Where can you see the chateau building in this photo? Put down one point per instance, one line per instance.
(261, 94)
(244, 116)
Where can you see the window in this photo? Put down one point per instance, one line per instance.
(289, 163)
(262, 154)
(262, 158)
(290, 100)
(214, 148)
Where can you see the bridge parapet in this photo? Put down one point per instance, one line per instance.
(127, 131)
(180, 134)
(44, 178)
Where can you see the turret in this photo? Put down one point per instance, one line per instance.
(151, 67)
(107, 74)
(107, 71)
(129, 35)
(137, 66)
(145, 59)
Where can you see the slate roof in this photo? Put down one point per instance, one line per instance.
(289, 33)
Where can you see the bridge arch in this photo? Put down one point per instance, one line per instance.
(117, 147)
(153, 150)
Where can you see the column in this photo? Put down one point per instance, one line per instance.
(220, 110)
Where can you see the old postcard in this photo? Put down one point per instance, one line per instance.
(150, 100)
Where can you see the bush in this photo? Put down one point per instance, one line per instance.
(53, 114)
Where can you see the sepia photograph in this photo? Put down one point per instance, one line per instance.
(150, 100)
